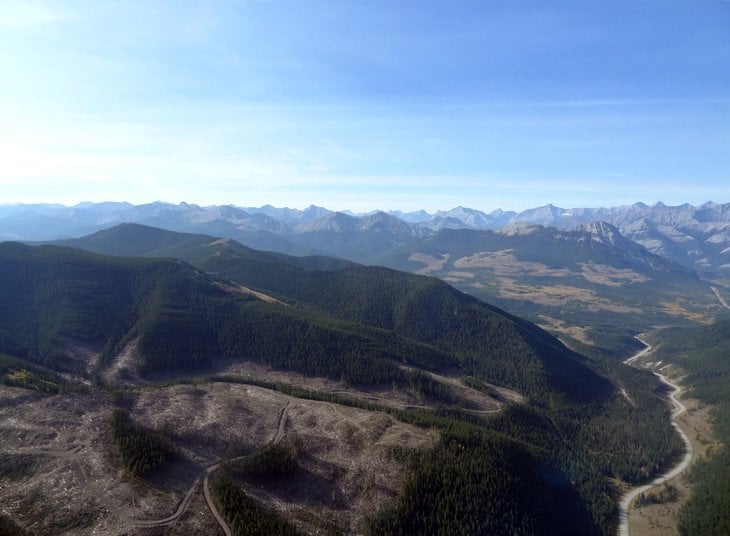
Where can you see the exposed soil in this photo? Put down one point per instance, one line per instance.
(236, 288)
(399, 397)
(59, 471)
(505, 263)
(604, 274)
(71, 479)
(125, 364)
(545, 295)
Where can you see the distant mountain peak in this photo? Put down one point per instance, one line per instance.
(381, 218)
(601, 231)
(334, 221)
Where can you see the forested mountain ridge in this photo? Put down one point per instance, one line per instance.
(358, 324)
(485, 341)
(583, 277)
(590, 284)
(136, 240)
(181, 318)
(503, 348)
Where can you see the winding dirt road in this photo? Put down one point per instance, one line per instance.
(205, 476)
(172, 518)
(720, 298)
(211, 505)
(282, 424)
(206, 492)
(679, 409)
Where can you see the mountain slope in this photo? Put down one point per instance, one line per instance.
(582, 283)
(486, 341)
(178, 319)
(132, 239)
(357, 239)
(590, 283)
(366, 326)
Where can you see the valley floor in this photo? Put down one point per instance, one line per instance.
(692, 417)
(661, 519)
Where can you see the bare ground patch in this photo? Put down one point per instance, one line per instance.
(545, 295)
(84, 353)
(235, 288)
(680, 308)
(399, 397)
(559, 295)
(125, 365)
(455, 276)
(75, 483)
(347, 467)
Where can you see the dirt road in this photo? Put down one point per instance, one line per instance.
(720, 298)
(206, 492)
(205, 475)
(679, 409)
(172, 518)
(211, 505)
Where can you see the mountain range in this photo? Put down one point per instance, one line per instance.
(697, 237)
(591, 282)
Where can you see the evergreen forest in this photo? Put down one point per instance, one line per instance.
(543, 466)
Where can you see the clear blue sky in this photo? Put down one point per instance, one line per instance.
(366, 104)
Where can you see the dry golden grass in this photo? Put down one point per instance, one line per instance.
(604, 274)
(504, 263)
(432, 264)
(579, 333)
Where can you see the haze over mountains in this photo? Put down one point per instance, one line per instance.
(697, 237)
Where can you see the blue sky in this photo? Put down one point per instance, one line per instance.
(364, 104)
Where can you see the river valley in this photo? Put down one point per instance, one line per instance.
(690, 418)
